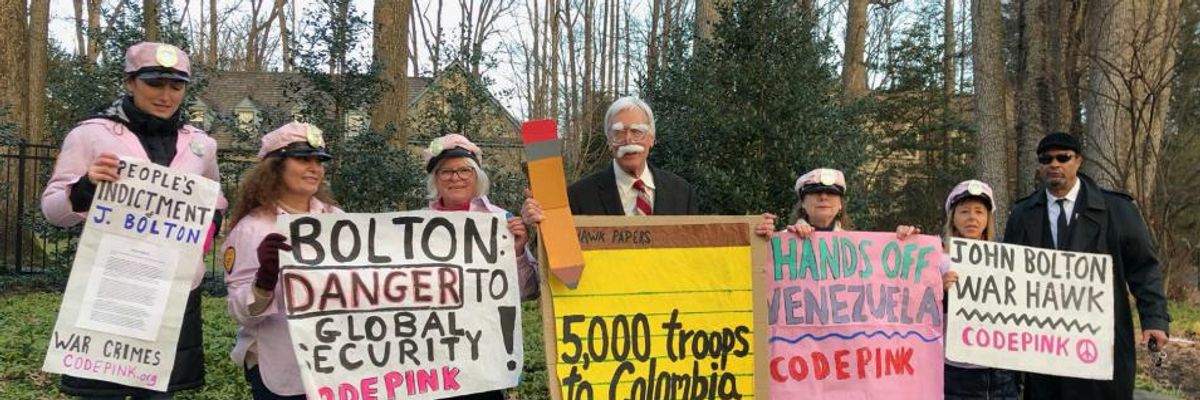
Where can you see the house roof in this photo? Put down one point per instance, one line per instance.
(227, 89)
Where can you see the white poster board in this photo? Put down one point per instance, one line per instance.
(124, 302)
(415, 305)
(1031, 309)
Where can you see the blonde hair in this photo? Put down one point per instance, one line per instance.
(950, 231)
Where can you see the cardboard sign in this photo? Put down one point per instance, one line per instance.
(1031, 309)
(665, 310)
(855, 315)
(416, 305)
(137, 258)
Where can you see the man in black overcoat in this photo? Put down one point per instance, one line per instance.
(1073, 213)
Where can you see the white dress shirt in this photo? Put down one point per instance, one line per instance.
(625, 187)
(1068, 205)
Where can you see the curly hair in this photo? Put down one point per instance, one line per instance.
(261, 187)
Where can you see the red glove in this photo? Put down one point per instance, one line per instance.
(268, 261)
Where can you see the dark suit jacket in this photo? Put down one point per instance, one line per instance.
(597, 194)
(1105, 222)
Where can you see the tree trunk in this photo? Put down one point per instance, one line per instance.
(555, 43)
(39, 21)
(854, 67)
(14, 85)
(949, 50)
(93, 30)
(150, 19)
(990, 102)
(1129, 89)
(213, 36)
(706, 17)
(80, 45)
(285, 38)
(391, 52)
(652, 47)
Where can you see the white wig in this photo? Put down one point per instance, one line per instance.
(626, 103)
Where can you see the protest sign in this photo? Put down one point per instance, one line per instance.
(665, 309)
(855, 315)
(416, 305)
(1031, 309)
(137, 258)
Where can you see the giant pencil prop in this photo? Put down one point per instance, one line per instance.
(543, 151)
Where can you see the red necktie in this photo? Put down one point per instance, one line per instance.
(643, 199)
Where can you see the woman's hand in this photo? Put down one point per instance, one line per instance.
(766, 226)
(949, 279)
(520, 237)
(103, 168)
(906, 231)
(801, 229)
(531, 211)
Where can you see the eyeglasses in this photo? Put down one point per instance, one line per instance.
(1062, 158)
(619, 133)
(461, 173)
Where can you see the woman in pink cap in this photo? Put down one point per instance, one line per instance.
(820, 207)
(147, 123)
(288, 179)
(457, 182)
(969, 215)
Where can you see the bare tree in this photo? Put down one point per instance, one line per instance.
(949, 50)
(1132, 69)
(706, 17)
(213, 34)
(150, 19)
(991, 101)
(39, 23)
(854, 67)
(93, 37)
(258, 41)
(80, 45)
(13, 77)
(391, 52)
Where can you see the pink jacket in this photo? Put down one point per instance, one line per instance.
(527, 277)
(195, 153)
(276, 357)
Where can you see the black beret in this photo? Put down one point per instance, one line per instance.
(1059, 140)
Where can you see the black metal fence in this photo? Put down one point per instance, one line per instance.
(29, 245)
(23, 172)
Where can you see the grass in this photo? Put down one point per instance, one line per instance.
(29, 317)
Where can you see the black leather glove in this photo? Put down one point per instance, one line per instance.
(268, 261)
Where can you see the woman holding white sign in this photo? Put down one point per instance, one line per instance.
(147, 123)
(969, 215)
(288, 179)
(457, 182)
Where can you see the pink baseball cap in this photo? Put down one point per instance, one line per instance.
(296, 139)
(152, 60)
(970, 189)
(452, 145)
(827, 180)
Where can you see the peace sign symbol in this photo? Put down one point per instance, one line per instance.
(1086, 351)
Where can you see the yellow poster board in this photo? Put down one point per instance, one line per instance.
(666, 308)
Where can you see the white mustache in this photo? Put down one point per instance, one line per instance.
(629, 149)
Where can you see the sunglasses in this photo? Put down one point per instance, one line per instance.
(1062, 158)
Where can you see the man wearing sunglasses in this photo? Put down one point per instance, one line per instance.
(1073, 213)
